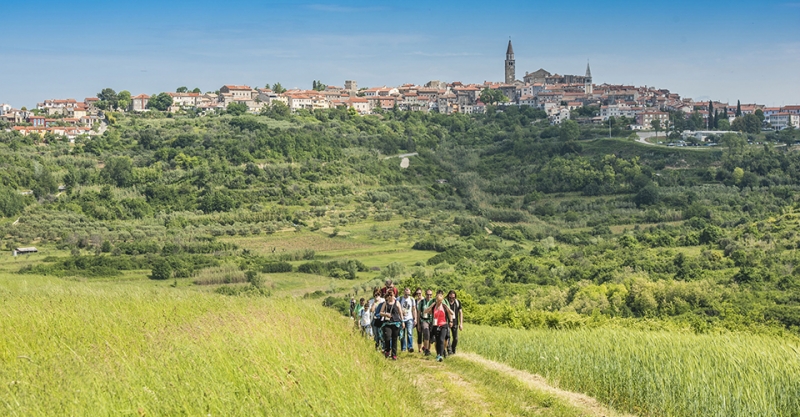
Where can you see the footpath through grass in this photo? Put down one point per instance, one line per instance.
(466, 385)
(656, 373)
(137, 348)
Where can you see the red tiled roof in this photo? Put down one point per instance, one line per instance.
(237, 87)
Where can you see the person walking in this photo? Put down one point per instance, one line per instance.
(365, 319)
(391, 314)
(442, 316)
(418, 324)
(458, 321)
(409, 319)
(389, 288)
(426, 320)
(356, 315)
(377, 334)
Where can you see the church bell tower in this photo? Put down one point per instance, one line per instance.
(510, 70)
(588, 86)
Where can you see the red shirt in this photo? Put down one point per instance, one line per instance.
(385, 290)
(439, 316)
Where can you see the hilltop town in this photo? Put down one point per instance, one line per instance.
(562, 97)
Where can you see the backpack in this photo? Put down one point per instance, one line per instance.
(376, 319)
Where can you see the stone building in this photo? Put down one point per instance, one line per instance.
(510, 62)
(536, 77)
(587, 81)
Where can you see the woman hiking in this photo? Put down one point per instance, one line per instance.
(391, 314)
(442, 316)
(377, 303)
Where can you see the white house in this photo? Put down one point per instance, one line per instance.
(782, 121)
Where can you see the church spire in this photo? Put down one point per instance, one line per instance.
(510, 70)
(588, 86)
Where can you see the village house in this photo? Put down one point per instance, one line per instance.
(527, 100)
(185, 100)
(298, 100)
(238, 92)
(359, 104)
(139, 103)
(794, 109)
(782, 121)
(56, 107)
(646, 118)
(619, 110)
(269, 97)
(559, 115)
(382, 102)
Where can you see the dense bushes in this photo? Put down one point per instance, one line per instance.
(335, 269)
(337, 304)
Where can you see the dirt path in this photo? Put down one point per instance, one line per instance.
(470, 385)
(580, 401)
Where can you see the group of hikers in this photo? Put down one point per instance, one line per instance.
(387, 318)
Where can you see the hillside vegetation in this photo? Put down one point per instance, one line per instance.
(537, 227)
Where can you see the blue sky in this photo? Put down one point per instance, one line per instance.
(720, 50)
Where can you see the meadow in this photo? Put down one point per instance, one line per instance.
(137, 348)
(657, 373)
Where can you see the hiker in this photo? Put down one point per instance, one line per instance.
(417, 322)
(409, 318)
(442, 315)
(365, 319)
(352, 307)
(356, 315)
(377, 334)
(391, 314)
(458, 322)
(425, 321)
(389, 288)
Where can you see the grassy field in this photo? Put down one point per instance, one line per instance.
(138, 347)
(141, 348)
(657, 373)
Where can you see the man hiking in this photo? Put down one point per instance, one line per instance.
(389, 288)
(425, 320)
(409, 318)
(418, 324)
(458, 322)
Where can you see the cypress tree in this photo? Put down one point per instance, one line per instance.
(738, 108)
(710, 115)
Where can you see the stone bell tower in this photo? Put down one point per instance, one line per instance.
(510, 69)
(588, 89)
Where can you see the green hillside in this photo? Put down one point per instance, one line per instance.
(239, 228)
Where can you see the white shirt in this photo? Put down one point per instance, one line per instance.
(408, 304)
(366, 317)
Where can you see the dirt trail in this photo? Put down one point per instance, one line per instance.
(583, 402)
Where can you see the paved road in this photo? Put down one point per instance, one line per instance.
(405, 155)
(644, 135)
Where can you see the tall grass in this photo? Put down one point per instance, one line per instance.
(657, 373)
(223, 274)
(140, 348)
